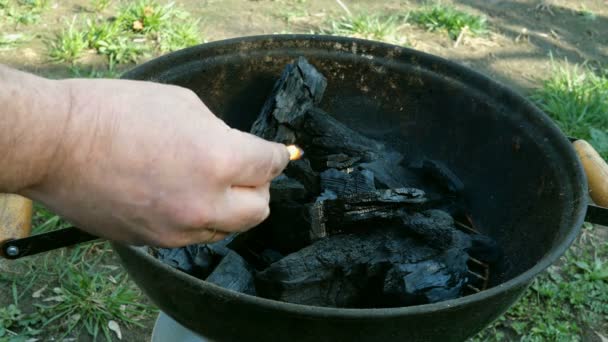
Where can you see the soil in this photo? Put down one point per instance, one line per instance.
(524, 35)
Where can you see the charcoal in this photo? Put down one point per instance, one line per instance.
(333, 216)
(270, 256)
(283, 188)
(196, 260)
(362, 270)
(300, 88)
(484, 248)
(388, 171)
(286, 230)
(353, 223)
(341, 161)
(321, 135)
(302, 171)
(432, 225)
(346, 184)
(429, 281)
(233, 273)
(443, 176)
(220, 248)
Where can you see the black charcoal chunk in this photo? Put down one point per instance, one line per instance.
(336, 216)
(233, 273)
(429, 281)
(435, 226)
(341, 161)
(345, 184)
(220, 248)
(388, 171)
(350, 270)
(300, 87)
(197, 260)
(441, 174)
(283, 188)
(484, 248)
(270, 256)
(302, 171)
(321, 135)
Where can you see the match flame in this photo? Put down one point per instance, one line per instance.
(295, 152)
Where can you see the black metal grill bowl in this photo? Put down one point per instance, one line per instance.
(524, 184)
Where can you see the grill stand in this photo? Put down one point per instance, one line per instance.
(166, 329)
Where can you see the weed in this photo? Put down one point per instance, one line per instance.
(11, 40)
(587, 14)
(80, 72)
(16, 324)
(100, 5)
(23, 11)
(91, 300)
(68, 45)
(146, 16)
(374, 27)
(181, 36)
(577, 99)
(450, 19)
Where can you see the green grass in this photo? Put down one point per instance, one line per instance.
(11, 40)
(23, 12)
(373, 27)
(100, 5)
(137, 30)
(89, 298)
(68, 45)
(446, 18)
(68, 292)
(577, 99)
(566, 302)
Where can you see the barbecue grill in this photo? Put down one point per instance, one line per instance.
(526, 187)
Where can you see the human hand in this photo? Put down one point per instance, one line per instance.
(147, 163)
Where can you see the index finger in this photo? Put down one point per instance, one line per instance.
(257, 161)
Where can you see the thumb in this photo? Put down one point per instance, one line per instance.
(258, 160)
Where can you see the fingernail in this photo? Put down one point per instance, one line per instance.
(295, 152)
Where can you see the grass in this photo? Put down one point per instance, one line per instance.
(11, 40)
(373, 27)
(577, 99)
(23, 12)
(139, 29)
(567, 302)
(446, 18)
(100, 5)
(69, 292)
(68, 45)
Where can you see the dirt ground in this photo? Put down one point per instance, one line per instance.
(524, 35)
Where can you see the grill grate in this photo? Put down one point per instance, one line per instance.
(479, 271)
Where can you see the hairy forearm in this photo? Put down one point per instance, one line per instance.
(34, 111)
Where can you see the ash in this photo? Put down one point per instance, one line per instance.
(353, 225)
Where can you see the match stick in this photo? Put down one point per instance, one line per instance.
(295, 152)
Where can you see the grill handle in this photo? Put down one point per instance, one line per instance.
(15, 217)
(596, 169)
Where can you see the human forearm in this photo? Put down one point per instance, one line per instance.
(34, 112)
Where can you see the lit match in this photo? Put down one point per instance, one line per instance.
(295, 152)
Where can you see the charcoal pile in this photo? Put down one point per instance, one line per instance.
(353, 224)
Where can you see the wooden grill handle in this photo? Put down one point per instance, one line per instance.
(15, 217)
(596, 169)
